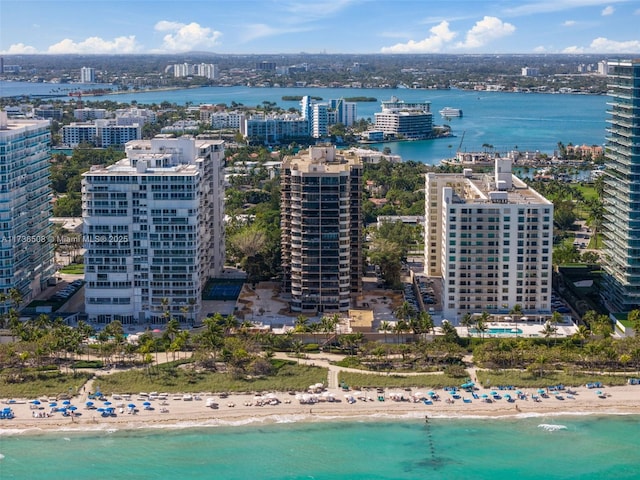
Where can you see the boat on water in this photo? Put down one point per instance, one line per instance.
(451, 112)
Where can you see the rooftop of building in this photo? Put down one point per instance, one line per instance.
(322, 159)
(12, 125)
(477, 187)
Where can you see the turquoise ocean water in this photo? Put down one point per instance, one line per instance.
(576, 447)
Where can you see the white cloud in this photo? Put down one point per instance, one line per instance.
(608, 10)
(184, 37)
(486, 30)
(540, 49)
(573, 49)
(604, 45)
(569, 23)
(96, 45)
(19, 49)
(440, 36)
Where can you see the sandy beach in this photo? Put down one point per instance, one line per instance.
(236, 409)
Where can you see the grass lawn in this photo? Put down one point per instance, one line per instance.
(288, 376)
(73, 269)
(35, 385)
(588, 191)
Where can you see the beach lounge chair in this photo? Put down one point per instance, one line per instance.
(466, 400)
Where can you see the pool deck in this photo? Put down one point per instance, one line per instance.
(529, 330)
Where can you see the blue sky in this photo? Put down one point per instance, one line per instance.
(321, 26)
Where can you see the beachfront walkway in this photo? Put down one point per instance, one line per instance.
(324, 360)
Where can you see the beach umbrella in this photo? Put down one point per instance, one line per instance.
(67, 402)
(89, 404)
(35, 402)
(493, 392)
(146, 404)
(100, 410)
(541, 390)
(106, 404)
(507, 396)
(484, 395)
(431, 393)
(53, 404)
(73, 408)
(598, 392)
(518, 392)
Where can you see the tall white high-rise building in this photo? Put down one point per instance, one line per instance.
(87, 75)
(26, 246)
(153, 230)
(490, 239)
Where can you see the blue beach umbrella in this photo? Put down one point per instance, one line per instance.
(67, 402)
(35, 402)
(100, 410)
(53, 404)
(107, 404)
(132, 405)
(484, 395)
(541, 390)
(89, 404)
(147, 404)
(73, 408)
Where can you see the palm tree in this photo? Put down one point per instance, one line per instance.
(467, 321)
(582, 334)
(301, 324)
(405, 312)
(481, 323)
(385, 327)
(400, 327)
(548, 330)
(516, 312)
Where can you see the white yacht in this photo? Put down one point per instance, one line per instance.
(451, 112)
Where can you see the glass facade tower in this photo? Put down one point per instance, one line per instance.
(26, 246)
(622, 188)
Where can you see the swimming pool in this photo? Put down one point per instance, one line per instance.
(497, 331)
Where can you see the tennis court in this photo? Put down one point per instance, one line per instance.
(217, 289)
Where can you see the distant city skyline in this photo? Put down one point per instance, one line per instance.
(331, 26)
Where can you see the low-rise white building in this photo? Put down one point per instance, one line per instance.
(101, 133)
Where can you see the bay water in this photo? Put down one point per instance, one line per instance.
(504, 120)
(551, 447)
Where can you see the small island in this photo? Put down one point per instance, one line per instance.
(361, 99)
(297, 98)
